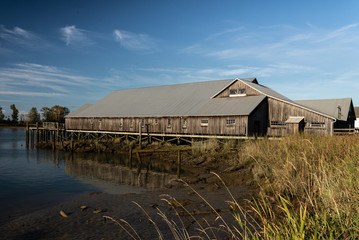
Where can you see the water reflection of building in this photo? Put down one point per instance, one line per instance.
(113, 171)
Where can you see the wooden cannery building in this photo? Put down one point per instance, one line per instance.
(234, 107)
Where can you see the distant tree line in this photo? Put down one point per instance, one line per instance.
(54, 114)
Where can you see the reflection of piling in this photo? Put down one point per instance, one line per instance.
(178, 163)
(139, 167)
(27, 135)
(32, 138)
(130, 157)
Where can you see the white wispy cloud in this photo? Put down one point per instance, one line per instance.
(22, 37)
(74, 36)
(32, 94)
(28, 79)
(338, 32)
(134, 41)
(225, 32)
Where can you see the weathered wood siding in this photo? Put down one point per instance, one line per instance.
(238, 85)
(217, 125)
(280, 111)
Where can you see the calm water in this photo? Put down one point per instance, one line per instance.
(31, 179)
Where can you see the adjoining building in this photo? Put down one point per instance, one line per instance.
(356, 124)
(234, 107)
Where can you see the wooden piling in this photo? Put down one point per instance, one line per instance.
(37, 133)
(140, 135)
(53, 133)
(57, 132)
(27, 135)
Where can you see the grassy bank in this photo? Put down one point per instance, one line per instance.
(308, 186)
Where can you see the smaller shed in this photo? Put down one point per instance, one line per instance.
(295, 124)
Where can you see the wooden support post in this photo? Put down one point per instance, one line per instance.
(178, 141)
(53, 133)
(27, 135)
(37, 133)
(130, 155)
(57, 132)
(178, 163)
(140, 135)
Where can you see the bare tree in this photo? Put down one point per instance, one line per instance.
(15, 113)
(33, 116)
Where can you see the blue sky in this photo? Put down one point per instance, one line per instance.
(75, 52)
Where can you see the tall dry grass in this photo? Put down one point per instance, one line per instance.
(309, 184)
(309, 189)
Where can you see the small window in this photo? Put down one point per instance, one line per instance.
(317, 124)
(237, 92)
(121, 122)
(156, 121)
(169, 122)
(142, 122)
(231, 122)
(204, 122)
(184, 125)
(277, 123)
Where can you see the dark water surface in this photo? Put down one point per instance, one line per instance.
(31, 179)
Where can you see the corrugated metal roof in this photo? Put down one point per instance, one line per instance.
(330, 106)
(294, 119)
(80, 109)
(356, 109)
(263, 89)
(191, 99)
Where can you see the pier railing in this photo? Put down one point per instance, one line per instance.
(340, 131)
(53, 125)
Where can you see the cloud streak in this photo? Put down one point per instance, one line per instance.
(21, 37)
(30, 79)
(134, 41)
(74, 36)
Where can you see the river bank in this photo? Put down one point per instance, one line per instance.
(92, 220)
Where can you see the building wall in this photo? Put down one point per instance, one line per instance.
(214, 125)
(258, 120)
(280, 111)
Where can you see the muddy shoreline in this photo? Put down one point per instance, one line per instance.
(96, 219)
(89, 222)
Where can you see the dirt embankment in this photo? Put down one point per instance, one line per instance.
(199, 162)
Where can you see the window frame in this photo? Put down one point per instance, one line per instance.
(230, 122)
(204, 122)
